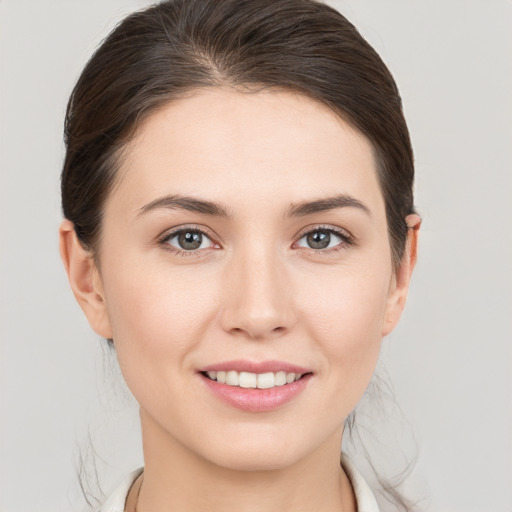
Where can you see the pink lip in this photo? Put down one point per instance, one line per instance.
(240, 365)
(256, 400)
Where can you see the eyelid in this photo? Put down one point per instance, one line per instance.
(346, 237)
(170, 233)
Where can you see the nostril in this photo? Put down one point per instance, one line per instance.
(255, 333)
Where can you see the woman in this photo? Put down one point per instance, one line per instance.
(239, 223)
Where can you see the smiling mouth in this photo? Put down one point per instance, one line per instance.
(250, 380)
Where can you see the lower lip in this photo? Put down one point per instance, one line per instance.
(257, 400)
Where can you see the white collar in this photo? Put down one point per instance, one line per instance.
(117, 500)
(365, 499)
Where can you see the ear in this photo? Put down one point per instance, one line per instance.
(400, 282)
(85, 279)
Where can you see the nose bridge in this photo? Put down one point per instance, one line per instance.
(258, 302)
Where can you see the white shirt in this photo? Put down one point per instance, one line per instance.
(365, 499)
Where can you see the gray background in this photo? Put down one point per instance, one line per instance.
(450, 359)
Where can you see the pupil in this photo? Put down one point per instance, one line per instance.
(319, 239)
(190, 240)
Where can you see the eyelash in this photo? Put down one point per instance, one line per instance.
(164, 240)
(347, 239)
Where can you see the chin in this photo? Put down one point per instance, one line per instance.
(260, 450)
(255, 460)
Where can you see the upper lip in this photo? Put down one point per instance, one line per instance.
(240, 365)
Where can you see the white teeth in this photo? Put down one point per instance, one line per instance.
(266, 380)
(280, 378)
(232, 378)
(247, 380)
(254, 380)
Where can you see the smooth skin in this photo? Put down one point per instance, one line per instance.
(252, 288)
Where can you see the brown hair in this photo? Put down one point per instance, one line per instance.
(167, 50)
(170, 49)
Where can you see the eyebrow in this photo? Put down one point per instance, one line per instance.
(329, 203)
(177, 202)
(301, 209)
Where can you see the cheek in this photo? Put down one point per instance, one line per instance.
(157, 314)
(345, 314)
(347, 305)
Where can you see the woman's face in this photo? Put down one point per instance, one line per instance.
(246, 236)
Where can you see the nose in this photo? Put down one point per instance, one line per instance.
(257, 302)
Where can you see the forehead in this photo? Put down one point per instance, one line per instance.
(267, 146)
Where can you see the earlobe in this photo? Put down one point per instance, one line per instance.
(401, 280)
(84, 279)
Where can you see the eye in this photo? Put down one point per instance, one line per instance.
(188, 240)
(321, 239)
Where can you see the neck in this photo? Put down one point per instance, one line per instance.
(177, 479)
